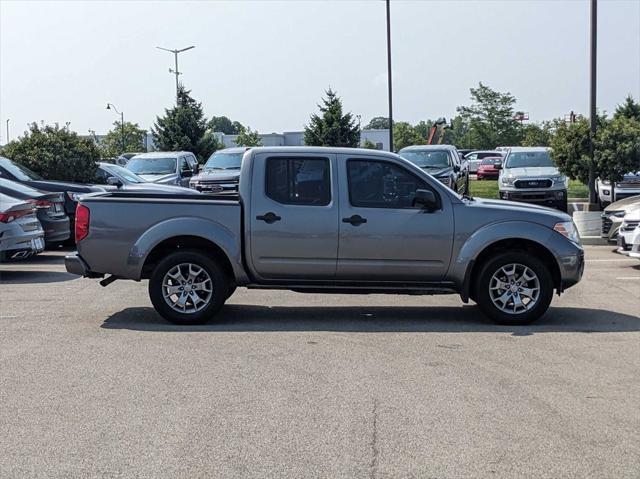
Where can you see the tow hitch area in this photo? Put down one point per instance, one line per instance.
(107, 281)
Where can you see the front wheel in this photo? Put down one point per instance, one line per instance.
(514, 288)
(188, 287)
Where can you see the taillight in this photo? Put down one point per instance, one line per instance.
(9, 217)
(41, 203)
(82, 222)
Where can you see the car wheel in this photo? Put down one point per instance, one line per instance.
(514, 288)
(232, 289)
(188, 287)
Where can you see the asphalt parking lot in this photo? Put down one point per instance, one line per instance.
(94, 383)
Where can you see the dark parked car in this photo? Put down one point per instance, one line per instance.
(442, 162)
(49, 209)
(220, 175)
(71, 191)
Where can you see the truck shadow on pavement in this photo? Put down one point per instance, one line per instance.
(252, 318)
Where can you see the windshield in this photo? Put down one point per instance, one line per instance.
(123, 173)
(152, 166)
(490, 160)
(427, 159)
(224, 161)
(19, 171)
(523, 159)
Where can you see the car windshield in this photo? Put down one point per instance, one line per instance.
(121, 172)
(224, 161)
(20, 172)
(152, 166)
(522, 159)
(427, 159)
(490, 160)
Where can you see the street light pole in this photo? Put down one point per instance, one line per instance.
(389, 75)
(7, 130)
(176, 72)
(593, 119)
(111, 106)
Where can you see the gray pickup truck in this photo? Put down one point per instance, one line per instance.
(329, 220)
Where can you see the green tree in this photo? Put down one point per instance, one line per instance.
(183, 128)
(378, 123)
(248, 137)
(570, 149)
(535, 134)
(111, 144)
(423, 128)
(617, 148)
(629, 109)
(490, 118)
(55, 153)
(332, 127)
(225, 125)
(405, 135)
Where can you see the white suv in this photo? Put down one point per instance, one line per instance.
(629, 225)
(629, 186)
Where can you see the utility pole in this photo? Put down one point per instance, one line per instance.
(176, 72)
(111, 106)
(7, 130)
(593, 119)
(389, 75)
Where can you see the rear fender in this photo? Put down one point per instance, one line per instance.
(215, 232)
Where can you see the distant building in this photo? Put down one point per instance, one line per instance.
(380, 138)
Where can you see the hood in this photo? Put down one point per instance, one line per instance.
(512, 210)
(162, 178)
(632, 214)
(627, 203)
(61, 186)
(437, 171)
(532, 172)
(231, 175)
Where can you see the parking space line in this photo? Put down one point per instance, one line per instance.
(609, 260)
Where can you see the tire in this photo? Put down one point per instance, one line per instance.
(213, 287)
(232, 289)
(486, 280)
(466, 185)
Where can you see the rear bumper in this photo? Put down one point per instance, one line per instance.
(56, 230)
(76, 265)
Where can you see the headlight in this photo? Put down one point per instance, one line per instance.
(568, 230)
(445, 180)
(606, 182)
(618, 214)
(560, 179)
(507, 180)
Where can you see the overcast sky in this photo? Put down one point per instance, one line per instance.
(266, 64)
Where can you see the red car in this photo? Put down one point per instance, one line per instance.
(486, 170)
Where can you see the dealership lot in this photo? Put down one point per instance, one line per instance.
(93, 382)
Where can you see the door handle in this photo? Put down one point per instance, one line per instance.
(355, 220)
(269, 217)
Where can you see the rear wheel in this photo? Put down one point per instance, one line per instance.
(188, 287)
(514, 288)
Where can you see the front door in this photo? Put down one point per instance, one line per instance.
(382, 236)
(294, 216)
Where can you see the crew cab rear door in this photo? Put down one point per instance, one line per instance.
(382, 236)
(293, 216)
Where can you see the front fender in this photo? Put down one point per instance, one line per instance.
(210, 230)
(466, 255)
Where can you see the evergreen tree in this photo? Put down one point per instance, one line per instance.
(183, 128)
(629, 109)
(332, 127)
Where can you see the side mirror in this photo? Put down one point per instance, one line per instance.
(196, 168)
(113, 181)
(186, 173)
(426, 199)
(497, 165)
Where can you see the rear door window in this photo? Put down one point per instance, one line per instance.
(299, 181)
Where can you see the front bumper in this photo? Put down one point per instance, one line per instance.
(540, 197)
(571, 268)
